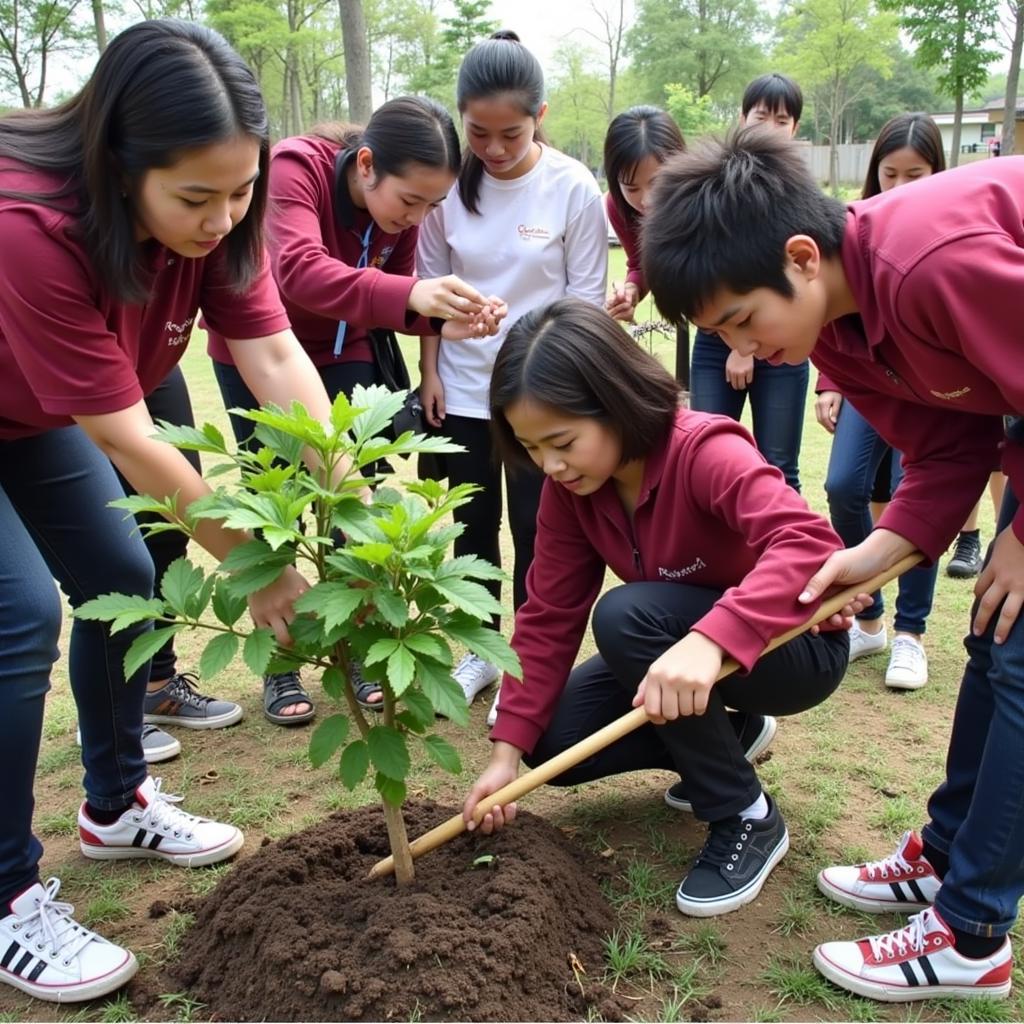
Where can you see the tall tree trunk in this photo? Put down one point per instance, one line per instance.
(101, 25)
(958, 117)
(357, 60)
(1009, 141)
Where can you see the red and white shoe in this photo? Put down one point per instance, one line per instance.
(153, 827)
(902, 881)
(918, 961)
(45, 952)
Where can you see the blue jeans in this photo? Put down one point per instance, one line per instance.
(977, 814)
(857, 451)
(55, 524)
(777, 397)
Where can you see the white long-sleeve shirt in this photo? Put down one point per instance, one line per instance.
(537, 238)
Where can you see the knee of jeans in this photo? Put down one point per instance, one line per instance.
(127, 569)
(612, 611)
(844, 493)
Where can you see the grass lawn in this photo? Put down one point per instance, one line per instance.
(849, 776)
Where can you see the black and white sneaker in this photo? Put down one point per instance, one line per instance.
(756, 735)
(45, 952)
(737, 858)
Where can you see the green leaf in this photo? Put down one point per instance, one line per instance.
(227, 605)
(257, 649)
(443, 753)
(486, 643)
(379, 405)
(197, 602)
(218, 654)
(356, 521)
(401, 670)
(248, 581)
(108, 607)
(419, 708)
(376, 554)
(342, 413)
(181, 581)
(391, 606)
(429, 646)
(470, 565)
(380, 650)
(392, 791)
(327, 738)
(278, 536)
(335, 603)
(443, 692)
(209, 439)
(355, 760)
(388, 751)
(143, 647)
(246, 556)
(334, 683)
(469, 597)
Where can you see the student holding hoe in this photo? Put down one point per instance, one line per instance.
(908, 302)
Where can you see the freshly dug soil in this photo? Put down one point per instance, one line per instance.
(296, 932)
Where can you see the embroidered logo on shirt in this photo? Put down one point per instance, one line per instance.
(949, 396)
(526, 233)
(678, 574)
(381, 258)
(179, 333)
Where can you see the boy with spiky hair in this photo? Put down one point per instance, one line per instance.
(910, 303)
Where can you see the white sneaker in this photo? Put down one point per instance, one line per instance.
(474, 674)
(157, 745)
(154, 827)
(492, 715)
(862, 644)
(49, 955)
(908, 664)
(918, 961)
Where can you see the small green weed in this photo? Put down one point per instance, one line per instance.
(644, 887)
(794, 980)
(629, 957)
(54, 757)
(798, 914)
(766, 1015)
(705, 943)
(175, 932)
(118, 1011)
(202, 883)
(897, 815)
(181, 1005)
(975, 1011)
(64, 823)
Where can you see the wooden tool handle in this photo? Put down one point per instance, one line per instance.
(571, 756)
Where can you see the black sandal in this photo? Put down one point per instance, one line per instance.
(281, 691)
(364, 690)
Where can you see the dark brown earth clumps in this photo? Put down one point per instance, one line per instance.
(296, 932)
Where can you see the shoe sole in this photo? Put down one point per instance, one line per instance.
(164, 753)
(962, 574)
(904, 994)
(740, 898)
(761, 743)
(902, 684)
(867, 653)
(110, 982)
(865, 903)
(183, 860)
(215, 722)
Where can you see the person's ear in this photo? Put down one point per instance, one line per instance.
(364, 164)
(803, 252)
(796, 128)
(540, 113)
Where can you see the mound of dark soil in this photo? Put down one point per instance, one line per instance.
(296, 932)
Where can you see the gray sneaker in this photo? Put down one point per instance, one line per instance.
(179, 703)
(157, 745)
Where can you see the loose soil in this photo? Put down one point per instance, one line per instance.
(297, 932)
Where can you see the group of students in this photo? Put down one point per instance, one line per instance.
(153, 194)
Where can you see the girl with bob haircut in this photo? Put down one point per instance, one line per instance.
(122, 211)
(638, 142)
(346, 203)
(713, 549)
(525, 222)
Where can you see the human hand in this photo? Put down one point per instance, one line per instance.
(432, 398)
(1001, 581)
(739, 370)
(679, 682)
(274, 605)
(480, 325)
(826, 409)
(621, 303)
(503, 769)
(448, 298)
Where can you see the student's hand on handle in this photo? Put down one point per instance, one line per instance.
(739, 370)
(503, 769)
(432, 398)
(621, 303)
(679, 682)
(448, 298)
(1002, 580)
(274, 605)
(826, 409)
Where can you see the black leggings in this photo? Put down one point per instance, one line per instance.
(635, 624)
(170, 402)
(482, 516)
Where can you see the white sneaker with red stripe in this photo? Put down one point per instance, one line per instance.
(154, 827)
(902, 881)
(45, 952)
(918, 961)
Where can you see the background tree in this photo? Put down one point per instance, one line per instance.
(1009, 139)
(695, 115)
(577, 97)
(357, 60)
(955, 37)
(611, 37)
(32, 33)
(830, 47)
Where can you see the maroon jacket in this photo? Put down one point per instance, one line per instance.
(711, 513)
(628, 231)
(936, 356)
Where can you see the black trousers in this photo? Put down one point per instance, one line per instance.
(633, 625)
(482, 516)
(170, 402)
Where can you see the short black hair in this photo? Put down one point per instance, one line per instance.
(776, 92)
(572, 356)
(720, 215)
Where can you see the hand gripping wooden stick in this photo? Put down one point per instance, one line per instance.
(531, 780)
